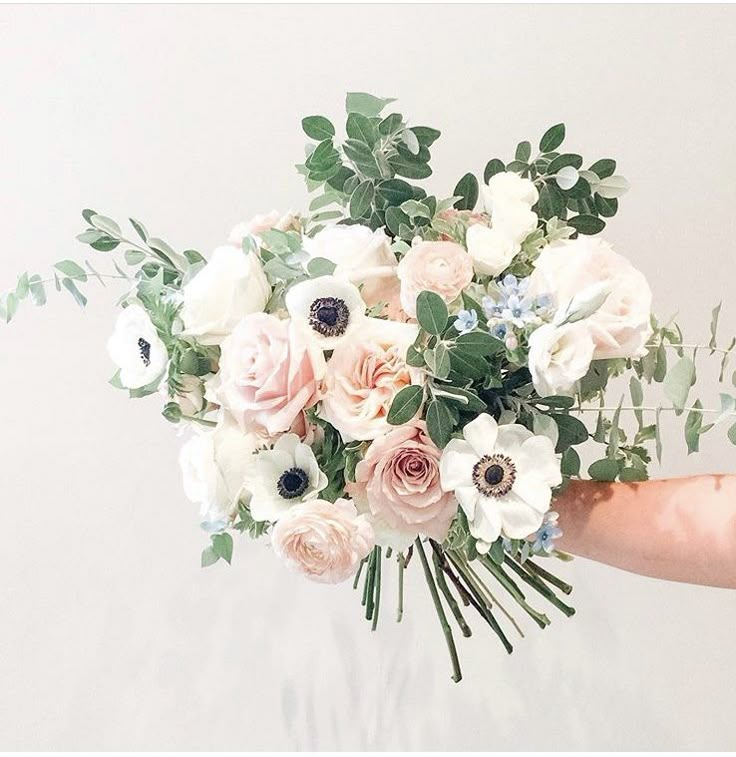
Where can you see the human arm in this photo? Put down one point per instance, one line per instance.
(679, 529)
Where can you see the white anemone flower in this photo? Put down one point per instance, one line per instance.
(284, 476)
(137, 350)
(502, 477)
(331, 308)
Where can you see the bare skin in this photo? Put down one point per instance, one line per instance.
(678, 529)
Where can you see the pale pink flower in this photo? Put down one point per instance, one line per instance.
(444, 268)
(323, 541)
(366, 371)
(269, 373)
(398, 484)
(260, 223)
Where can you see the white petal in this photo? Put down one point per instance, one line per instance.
(519, 520)
(534, 492)
(468, 497)
(481, 433)
(486, 525)
(510, 439)
(537, 455)
(456, 465)
(288, 443)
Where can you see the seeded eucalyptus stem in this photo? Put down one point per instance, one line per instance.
(446, 630)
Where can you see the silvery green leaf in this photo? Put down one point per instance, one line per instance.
(222, 544)
(9, 306)
(590, 177)
(446, 204)
(72, 269)
(38, 293)
(583, 304)
(21, 288)
(567, 177)
(546, 426)
(320, 267)
(409, 138)
(90, 236)
(415, 209)
(637, 397)
(103, 223)
(71, 287)
(133, 257)
(140, 229)
(694, 427)
(506, 417)
(658, 435)
(613, 186)
(209, 557)
(732, 434)
(714, 327)
(678, 381)
(728, 407)
(365, 104)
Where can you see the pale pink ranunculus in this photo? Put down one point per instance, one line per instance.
(260, 223)
(444, 268)
(366, 371)
(323, 541)
(269, 372)
(621, 326)
(398, 485)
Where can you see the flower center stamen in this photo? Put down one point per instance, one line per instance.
(292, 483)
(144, 348)
(494, 475)
(329, 316)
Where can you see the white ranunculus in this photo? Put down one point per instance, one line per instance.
(328, 307)
(503, 478)
(492, 250)
(231, 286)
(137, 350)
(621, 326)
(559, 356)
(515, 220)
(360, 254)
(217, 467)
(508, 188)
(284, 476)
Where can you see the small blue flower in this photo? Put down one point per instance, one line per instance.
(492, 308)
(519, 311)
(543, 539)
(466, 321)
(213, 526)
(510, 286)
(500, 331)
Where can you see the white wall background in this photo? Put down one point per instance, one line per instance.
(111, 637)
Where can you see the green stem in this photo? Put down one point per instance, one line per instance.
(400, 608)
(445, 589)
(446, 630)
(370, 583)
(548, 577)
(495, 570)
(357, 575)
(377, 589)
(538, 585)
(201, 421)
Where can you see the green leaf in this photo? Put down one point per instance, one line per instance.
(365, 104)
(480, 342)
(439, 423)
(714, 327)
(603, 168)
(71, 287)
(604, 470)
(607, 208)
(497, 552)
(493, 167)
(140, 229)
(38, 293)
(9, 306)
(405, 405)
(360, 128)
(467, 191)
(104, 244)
(523, 152)
(133, 257)
(411, 169)
(468, 364)
(441, 361)
(222, 544)
(562, 161)
(637, 397)
(693, 428)
(391, 124)
(431, 312)
(572, 431)
(103, 223)
(318, 128)
(22, 287)
(551, 201)
(466, 399)
(409, 138)
(394, 191)
(209, 557)
(72, 269)
(678, 381)
(395, 219)
(320, 267)
(426, 135)
(552, 138)
(732, 434)
(91, 235)
(586, 224)
(361, 199)
(570, 465)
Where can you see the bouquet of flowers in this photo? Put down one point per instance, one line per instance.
(396, 376)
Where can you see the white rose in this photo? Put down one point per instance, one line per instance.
(559, 356)
(137, 350)
(507, 188)
(361, 255)
(621, 326)
(216, 467)
(231, 286)
(492, 250)
(514, 220)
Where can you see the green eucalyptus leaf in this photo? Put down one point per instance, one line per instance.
(493, 167)
(604, 470)
(603, 168)
(72, 269)
(222, 544)
(678, 381)
(361, 199)
(405, 405)
(209, 557)
(318, 128)
(480, 342)
(586, 224)
(552, 138)
(431, 312)
(439, 422)
(467, 191)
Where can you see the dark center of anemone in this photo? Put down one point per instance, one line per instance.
(144, 348)
(329, 316)
(494, 475)
(292, 483)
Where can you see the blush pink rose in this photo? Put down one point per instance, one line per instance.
(323, 541)
(366, 371)
(398, 484)
(441, 267)
(269, 373)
